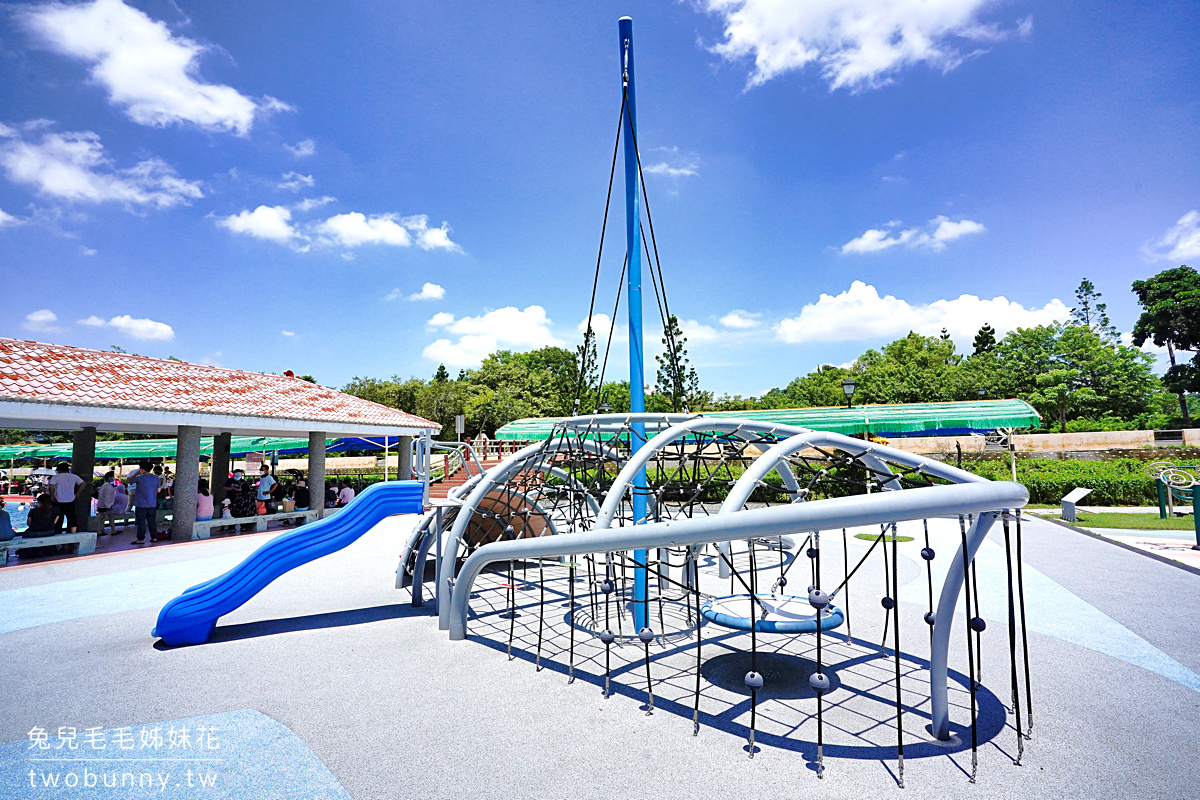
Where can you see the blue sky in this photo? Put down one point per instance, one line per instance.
(377, 187)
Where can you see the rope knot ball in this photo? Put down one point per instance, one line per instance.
(978, 625)
(754, 680)
(927, 553)
(606, 586)
(818, 599)
(819, 682)
(646, 635)
(888, 603)
(607, 636)
(930, 617)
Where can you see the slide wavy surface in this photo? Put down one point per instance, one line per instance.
(191, 617)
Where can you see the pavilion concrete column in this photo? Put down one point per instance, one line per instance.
(316, 471)
(218, 470)
(83, 464)
(187, 476)
(404, 455)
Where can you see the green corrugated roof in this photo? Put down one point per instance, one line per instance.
(908, 419)
(129, 449)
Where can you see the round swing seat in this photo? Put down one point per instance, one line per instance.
(786, 614)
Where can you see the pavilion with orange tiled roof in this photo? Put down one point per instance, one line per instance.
(56, 387)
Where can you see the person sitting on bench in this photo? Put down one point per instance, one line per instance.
(43, 518)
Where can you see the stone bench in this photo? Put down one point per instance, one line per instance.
(203, 528)
(86, 541)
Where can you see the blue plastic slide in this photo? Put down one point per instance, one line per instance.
(191, 617)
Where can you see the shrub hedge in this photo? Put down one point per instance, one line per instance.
(1119, 482)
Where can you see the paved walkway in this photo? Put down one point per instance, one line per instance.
(330, 684)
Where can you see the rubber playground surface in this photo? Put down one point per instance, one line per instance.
(330, 684)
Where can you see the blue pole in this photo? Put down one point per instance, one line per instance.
(633, 245)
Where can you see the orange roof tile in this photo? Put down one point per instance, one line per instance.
(52, 373)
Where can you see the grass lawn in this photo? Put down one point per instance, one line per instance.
(870, 537)
(1135, 521)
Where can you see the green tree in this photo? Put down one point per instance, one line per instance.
(441, 376)
(914, 369)
(985, 339)
(1090, 312)
(821, 387)
(677, 379)
(1171, 319)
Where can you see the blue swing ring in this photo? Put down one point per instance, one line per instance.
(786, 614)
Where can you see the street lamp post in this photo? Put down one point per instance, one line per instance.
(848, 390)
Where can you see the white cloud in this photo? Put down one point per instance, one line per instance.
(87, 251)
(294, 182)
(663, 168)
(74, 167)
(142, 328)
(857, 45)
(741, 320)
(859, 313)
(265, 222)
(355, 229)
(936, 234)
(695, 331)
(429, 291)
(394, 294)
(287, 333)
(600, 327)
(309, 203)
(146, 70)
(1180, 243)
(507, 328)
(430, 238)
(302, 149)
(41, 321)
(8, 219)
(146, 329)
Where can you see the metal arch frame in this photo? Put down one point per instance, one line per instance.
(486, 481)
(980, 498)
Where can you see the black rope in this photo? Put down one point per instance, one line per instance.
(537, 663)
(820, 665)
(571, 618)
(599, 255)
(896, 647)
(845, 580)
(612, 325)
(512, 609)
(1024, 632)
(753, 644)
(970, 650)
(699, 625)
(608, 630)
(1012, 641)
(887, 591)
(929, 579)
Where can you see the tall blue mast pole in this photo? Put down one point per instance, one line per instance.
(633, 244)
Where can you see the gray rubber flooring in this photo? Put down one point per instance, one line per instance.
(393, 709)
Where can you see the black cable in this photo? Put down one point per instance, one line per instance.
(537, 663)
(1012, 641)
(512, 609)
(599, 255)
(846, 579)
(699, 626)
(753, 644)
(820, 668)
(571, 618)
(612, 324)
(1024, 632)
(896, 647)
(929, 578)
(887, 592)
(970, 650)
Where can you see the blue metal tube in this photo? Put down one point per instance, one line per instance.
(633, 244)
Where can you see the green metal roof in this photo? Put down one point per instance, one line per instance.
(908, 419)
(129, 449)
